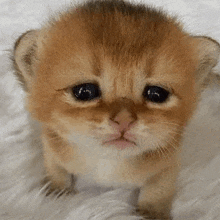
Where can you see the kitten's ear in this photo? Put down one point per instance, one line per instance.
(24, 57)
(209, 53)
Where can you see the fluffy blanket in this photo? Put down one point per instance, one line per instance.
(21, 169)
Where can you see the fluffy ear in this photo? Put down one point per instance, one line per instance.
(208, 51)
(24, 57)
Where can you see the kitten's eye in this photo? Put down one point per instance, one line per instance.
(155, 94)
(86, 91)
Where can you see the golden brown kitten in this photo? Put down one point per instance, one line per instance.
(113, 85)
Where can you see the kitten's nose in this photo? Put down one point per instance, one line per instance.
(123, 121)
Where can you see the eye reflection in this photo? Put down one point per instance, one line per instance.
(155, 94)
(86, 92)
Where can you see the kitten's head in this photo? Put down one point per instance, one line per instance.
(114, 78)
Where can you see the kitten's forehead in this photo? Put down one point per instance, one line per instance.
(122, 54)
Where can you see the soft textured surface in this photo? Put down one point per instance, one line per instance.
(21, 170)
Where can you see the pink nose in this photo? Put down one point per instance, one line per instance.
(123, 121)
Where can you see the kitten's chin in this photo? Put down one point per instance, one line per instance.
(118, 151)
(113, 150)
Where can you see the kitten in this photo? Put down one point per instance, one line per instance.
(113, 85)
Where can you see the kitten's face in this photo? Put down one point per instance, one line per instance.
(116, 93)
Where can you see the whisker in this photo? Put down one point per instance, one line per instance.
(173, 138)
(175, 132)
(165, 151)
(171, 123)
(184, 128)
(159, 150)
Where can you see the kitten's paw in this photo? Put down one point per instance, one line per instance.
(51, 189)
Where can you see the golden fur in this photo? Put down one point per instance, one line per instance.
(122, 47)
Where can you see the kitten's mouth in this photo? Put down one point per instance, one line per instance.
(121, 143)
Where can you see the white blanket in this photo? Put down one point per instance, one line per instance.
(21, 169)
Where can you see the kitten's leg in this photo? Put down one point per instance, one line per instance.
(56, 152)
(155, 199)
(57, 177)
